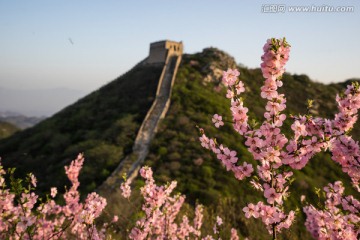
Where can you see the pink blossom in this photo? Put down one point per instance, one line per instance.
(217, 120)
(198, 220)
(204, 141)
(115, 218)
(230, 77)
(247, 169)
(240, 88)
(146, 173)
(33, 179)
(234, 235)
(272, 195)
(53, 192)
(251, 211)
(125, 189)
(299, 129)
(219, 221)
(230, 94)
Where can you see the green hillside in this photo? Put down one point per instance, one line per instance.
(7, 129)
(104, 124)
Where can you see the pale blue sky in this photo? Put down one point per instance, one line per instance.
(109, 37)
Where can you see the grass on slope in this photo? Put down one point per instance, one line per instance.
(7, 129)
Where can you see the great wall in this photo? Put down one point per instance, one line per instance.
(168, 54)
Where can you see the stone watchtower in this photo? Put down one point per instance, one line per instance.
(162, 50)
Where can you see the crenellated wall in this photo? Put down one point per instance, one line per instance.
(168, 53)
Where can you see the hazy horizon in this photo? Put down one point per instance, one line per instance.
(37, 102)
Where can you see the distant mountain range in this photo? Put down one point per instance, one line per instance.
(37, 102)
(18, 120)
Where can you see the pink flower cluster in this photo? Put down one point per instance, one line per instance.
(270, 216)
(312, 135)
(125, 188)
(340, 218)
(230, 77)
(273, 150)
(265, 143)
(161, 211)
(276, 54)
(227, 157)
(25, 217)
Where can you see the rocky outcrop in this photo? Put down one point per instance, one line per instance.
(220, 61)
